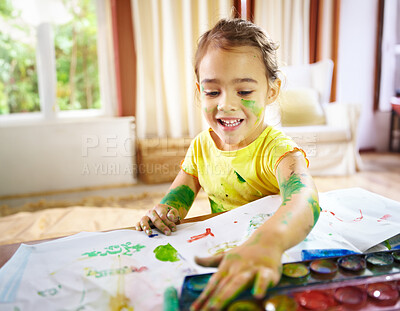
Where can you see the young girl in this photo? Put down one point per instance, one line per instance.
(240, 159)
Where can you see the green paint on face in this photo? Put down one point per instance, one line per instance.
(290, 187)
(215, 207)
(251, 104)
(180, 197)
(316, 209)
(240, 178)
(166, 253)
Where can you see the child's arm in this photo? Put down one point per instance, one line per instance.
(173, 207)
(257, 262)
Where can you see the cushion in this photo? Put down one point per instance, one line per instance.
(300, 106)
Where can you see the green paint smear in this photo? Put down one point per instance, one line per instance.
(215, 207)
(387, 244)
(180, 197)
(316, 209)
(240, 178)
(166, 253)
(290, 187)
(251, 104)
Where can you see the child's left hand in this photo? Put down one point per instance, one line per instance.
(239, 268)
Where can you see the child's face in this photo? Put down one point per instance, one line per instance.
(234, 92)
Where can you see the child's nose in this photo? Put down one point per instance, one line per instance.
(227, 103)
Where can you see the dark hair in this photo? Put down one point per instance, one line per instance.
(230, 33)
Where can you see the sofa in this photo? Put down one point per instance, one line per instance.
(326, 131)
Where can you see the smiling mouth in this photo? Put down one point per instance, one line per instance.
(230, 122)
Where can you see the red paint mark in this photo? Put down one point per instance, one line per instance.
(384, 217)
(354, 220)
(332, 214)
(359, 218)
(200, 236)
(235, 222)
(134, 269)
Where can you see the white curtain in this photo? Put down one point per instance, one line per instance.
(166, 34)
(287, 22)
(106, 58)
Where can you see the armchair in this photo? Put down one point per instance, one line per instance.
(327, 132)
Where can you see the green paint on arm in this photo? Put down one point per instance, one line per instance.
(251, 104)
(256, 239)
(166, 253)
(233, 257)
(179, 197)
(215, 207)
(289, 187)
(287, 217)
(316, 209)
(240, 178)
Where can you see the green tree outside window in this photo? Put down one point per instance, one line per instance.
(76, 60)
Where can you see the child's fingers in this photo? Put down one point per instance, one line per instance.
(137, 227)
(145, 225)
(212, 261)
(173, 215)
(163, 212)
(228, 289)
(263, 281)
(158, 222)
(212, 285)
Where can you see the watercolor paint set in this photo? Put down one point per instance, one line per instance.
(352, 282)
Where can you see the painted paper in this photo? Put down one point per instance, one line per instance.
(127, 270)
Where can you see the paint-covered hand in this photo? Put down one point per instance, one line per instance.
(250, 265)
(161, 216)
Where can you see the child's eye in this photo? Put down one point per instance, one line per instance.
(211, 93)
(244, 93)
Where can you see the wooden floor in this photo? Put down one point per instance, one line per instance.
(380, 174)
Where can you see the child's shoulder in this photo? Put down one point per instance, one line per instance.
(204, 135)
(272, 134)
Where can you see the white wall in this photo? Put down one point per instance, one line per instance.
(66, 154)
(356, 69)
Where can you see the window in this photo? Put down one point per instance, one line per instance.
(18, 76)
(76, 57)
(30, 81)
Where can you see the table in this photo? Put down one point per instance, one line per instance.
(8, 250)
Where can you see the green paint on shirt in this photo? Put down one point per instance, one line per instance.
(181, 196)
(251, 104)
(215, 207)
(290, 187)
(166, 253)
(239, 177)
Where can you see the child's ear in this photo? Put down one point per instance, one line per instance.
(274, 90)
(198, 86)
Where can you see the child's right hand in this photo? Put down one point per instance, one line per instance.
(161, 216)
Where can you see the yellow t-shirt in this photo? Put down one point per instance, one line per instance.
(234, 178)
